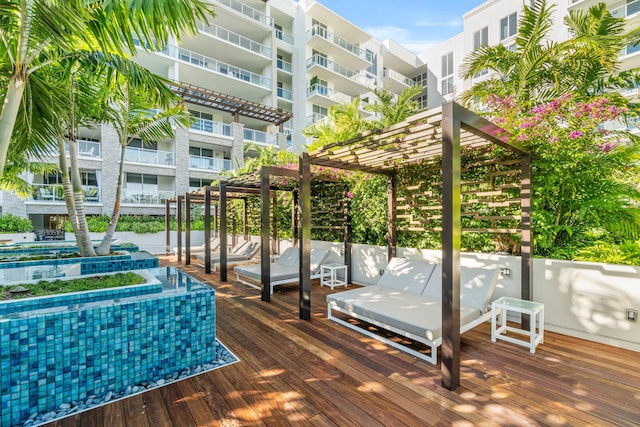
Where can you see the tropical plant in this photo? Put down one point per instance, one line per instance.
(343, 122)
(540, 70)
(36, 35)
(394, 109)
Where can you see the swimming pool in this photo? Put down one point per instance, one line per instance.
(60, 350)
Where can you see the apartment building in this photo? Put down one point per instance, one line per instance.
(259, 73)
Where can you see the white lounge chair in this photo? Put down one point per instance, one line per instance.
(242, 252)
(286, 268)
(408, 301)
(215, 244)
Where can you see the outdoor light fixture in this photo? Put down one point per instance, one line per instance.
(505, 272)
(632, 315)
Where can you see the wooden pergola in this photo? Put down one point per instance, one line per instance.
(427, 136)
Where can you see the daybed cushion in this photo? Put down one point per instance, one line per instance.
(476, 286)
(278, 272)
(415, 314)
(409, 275)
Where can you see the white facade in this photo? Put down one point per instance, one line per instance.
(298, 56)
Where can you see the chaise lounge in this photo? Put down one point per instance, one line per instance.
(215, 244)
(243, 252)
(407, 301)
(286, 268)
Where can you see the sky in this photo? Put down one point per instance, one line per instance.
(415, 24)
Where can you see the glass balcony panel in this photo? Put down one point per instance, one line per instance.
(138, 196)
(247, 11)
(88, 149)
(319, 31)
(145, 155)
(235, 39)
(285, 93)
(284, 65)
(287, 38)
(209, 163)
(212, 127)
(55, 193)
(261, 137)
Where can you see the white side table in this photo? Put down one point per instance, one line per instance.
(500, 308)
(329, 275)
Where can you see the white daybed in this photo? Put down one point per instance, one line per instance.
(243, 252)
(215, 244)
(407, 301)
(286, 268)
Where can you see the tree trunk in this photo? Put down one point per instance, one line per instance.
(83, 237)
(10, 107)
(66, 186)
(105, 245)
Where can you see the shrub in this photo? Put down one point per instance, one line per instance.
(10, 223)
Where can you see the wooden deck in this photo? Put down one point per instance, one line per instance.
(294, 372)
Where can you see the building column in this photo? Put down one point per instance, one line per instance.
(110, 167)
(237, 146)
(181, 156)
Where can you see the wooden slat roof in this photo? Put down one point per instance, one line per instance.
(219, 101)
(418, 138)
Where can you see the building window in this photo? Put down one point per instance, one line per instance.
(420, 80)
(447, 73)
(512, 47)
(422, 101)
(481, 38)
(508, 26)
(373, 58)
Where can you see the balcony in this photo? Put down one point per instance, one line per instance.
(248, 11)
(211, 127)
(136, 196)
(342, 50)
(285, 37)
(284, 66)
(321, 95)
(209, 163)
(236, 39)
(89, 149)
(315, 118)
(395, 81)
(148, 156)
(626, 10)
(216, 66)
(344, 79)
(260, 137)
(55, 193)
(285, 94)
(630, 57)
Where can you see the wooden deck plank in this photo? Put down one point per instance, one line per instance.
(317, 372)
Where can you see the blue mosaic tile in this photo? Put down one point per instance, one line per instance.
(62, 356)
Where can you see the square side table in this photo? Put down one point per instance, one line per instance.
(499, 311)
(329, 275)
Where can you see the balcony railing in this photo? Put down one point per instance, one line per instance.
(318, 89)
(146, 197)
(285, 94)
(315, 118)
(55, 193)
(212, 127)
(319, 31)
(88, 149)
(631, 49)
(626, 10)
(211, 64)
(148, 156)
(251, 135)
(285, 37)
(284, 65)
(209, 163)
(248, 11)
(393, 74)
(336, 68)
(236, 39)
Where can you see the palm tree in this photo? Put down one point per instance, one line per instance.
(540, 71)
(343, 122)
(133, 117)
(392, 110)
(35, 35)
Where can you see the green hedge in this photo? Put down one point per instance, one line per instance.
(10, 223)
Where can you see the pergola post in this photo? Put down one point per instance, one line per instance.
(274, 224)
(245, 218)
(167, 227)
(265, 226)
(304, 185)
(223, 234)
(391, 214)
(294, 219)
(346, 207)
(179, 226)
(216, 223)
(207, 227)
(187, 222)
(526, 235)
(451, 233)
